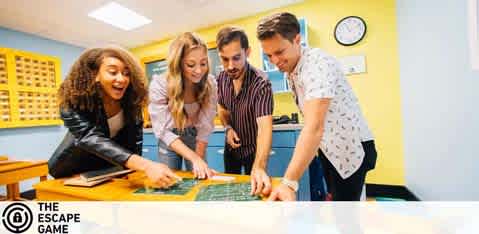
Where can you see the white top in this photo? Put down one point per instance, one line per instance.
(319, 75)
(162, 120)
(116, 123)
(192, 110)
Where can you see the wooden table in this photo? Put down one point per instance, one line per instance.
(12, 173)
(120, 189)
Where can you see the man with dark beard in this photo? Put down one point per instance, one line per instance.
(245, 107)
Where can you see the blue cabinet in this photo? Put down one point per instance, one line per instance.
(215, 151)
(150, 147)
(150, 152)
(149, 139)
(214, 156)
(284, 139)
(304, 192)
(278, 161)
(217, 139)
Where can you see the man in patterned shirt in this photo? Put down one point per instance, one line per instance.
(334, 127)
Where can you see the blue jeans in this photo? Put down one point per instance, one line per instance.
(170, 157)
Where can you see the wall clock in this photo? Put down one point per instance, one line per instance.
(350, 30)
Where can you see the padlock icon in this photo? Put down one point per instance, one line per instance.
(17, 218)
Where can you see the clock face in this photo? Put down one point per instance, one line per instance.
(350, 30)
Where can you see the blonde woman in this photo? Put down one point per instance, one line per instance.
(183, 105)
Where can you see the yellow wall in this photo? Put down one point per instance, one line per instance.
(377, 90)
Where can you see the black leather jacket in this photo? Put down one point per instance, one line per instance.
(87, 144)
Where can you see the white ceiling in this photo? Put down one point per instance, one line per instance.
(68, 21)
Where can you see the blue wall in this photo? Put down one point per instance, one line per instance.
(440, 100)
(35, 142)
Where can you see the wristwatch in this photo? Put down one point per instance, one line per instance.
(292, 184)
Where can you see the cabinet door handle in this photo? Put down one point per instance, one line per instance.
(145, 150)
(272, 153)
(221, 151)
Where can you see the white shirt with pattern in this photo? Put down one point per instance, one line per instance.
(319, 75)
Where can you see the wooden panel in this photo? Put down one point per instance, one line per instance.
(16, 172)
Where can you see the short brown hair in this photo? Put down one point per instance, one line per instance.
(231, 33)
(284, 23)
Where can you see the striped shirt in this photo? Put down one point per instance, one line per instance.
(255, 99)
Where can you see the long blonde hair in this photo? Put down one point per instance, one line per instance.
(179, 48)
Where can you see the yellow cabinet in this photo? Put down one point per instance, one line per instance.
(28, 89)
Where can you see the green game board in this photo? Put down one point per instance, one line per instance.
(226, 192)
(181, 188)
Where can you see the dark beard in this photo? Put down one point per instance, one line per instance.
(238, 74)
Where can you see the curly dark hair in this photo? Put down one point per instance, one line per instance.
(79, 91)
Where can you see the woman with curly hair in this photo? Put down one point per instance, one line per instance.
(183, 105)
(100, 103)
